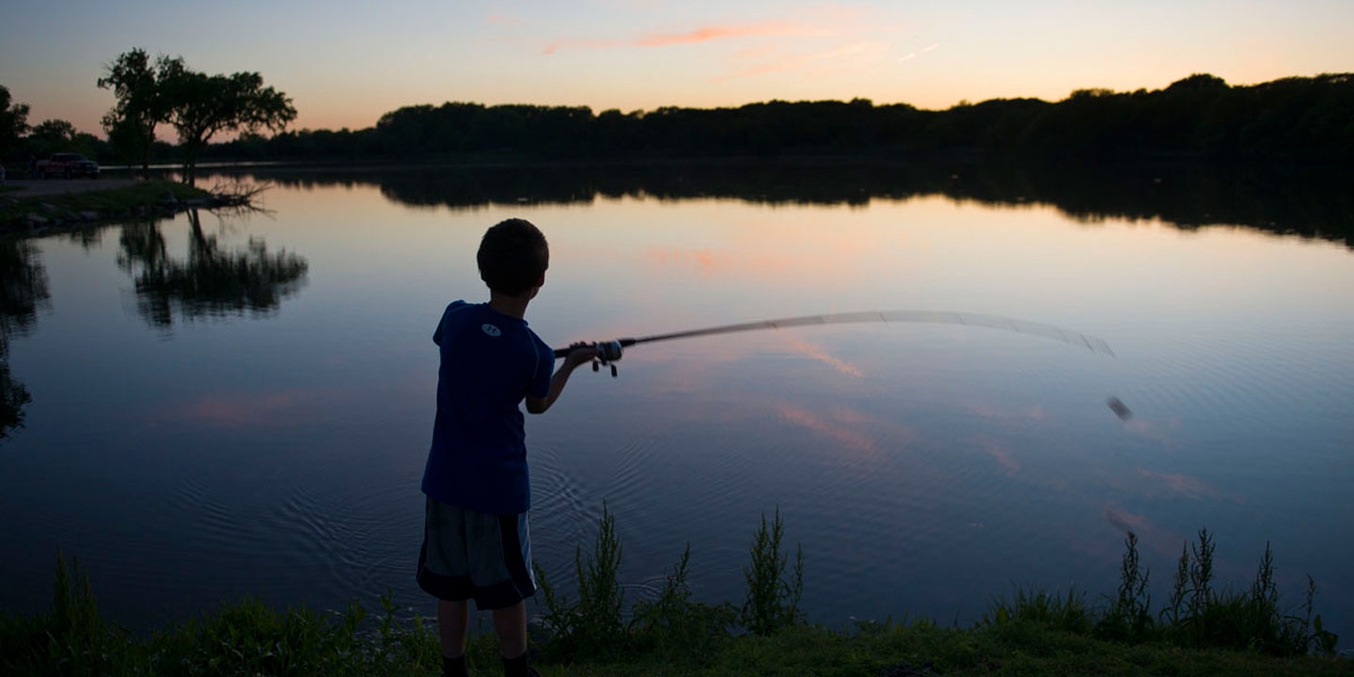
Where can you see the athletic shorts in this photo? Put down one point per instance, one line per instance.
(470, 555)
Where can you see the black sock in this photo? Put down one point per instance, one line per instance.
(454, 667)
(517, 667)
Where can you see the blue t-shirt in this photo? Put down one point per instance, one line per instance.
(489, 363)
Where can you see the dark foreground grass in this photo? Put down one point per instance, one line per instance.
(1200, 631)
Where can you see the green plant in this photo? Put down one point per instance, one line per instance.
(593, 626)
(77, 638)
(1067, 613)
(772, 600)
(1129, 616)
(1199, 616)
(676, 629)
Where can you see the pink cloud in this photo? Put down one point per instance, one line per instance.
(851, 57)
(695, 36)
(707, 33)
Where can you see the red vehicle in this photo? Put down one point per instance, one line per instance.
(68, 165)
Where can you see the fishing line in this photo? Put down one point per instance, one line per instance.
(609, 352)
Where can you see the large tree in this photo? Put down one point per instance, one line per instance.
(142, 104)
(13, 122)
(164, 90)
(202, 105)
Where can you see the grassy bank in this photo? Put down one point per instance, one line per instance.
(1202, 629)
(21, 211)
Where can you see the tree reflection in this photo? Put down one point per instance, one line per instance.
(1310, 201)
(213, 281)
(23, 290)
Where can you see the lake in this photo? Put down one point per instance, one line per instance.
(241, 404)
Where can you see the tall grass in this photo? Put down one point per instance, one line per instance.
(594, 627)
(593, 624)
(242, 638)
(1196, 615)
(1199, 615)
(772, 600)
(670, 633)
(1129, 616)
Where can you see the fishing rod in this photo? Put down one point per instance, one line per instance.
(609, 352)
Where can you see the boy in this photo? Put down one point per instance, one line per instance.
(475, 540)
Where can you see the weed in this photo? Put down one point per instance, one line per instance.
(676, 629)
(1199, 616)
(772, 600)
(1067, 613)
(1201, 631)
(1129, 616)
(592, 626)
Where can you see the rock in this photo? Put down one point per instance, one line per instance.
(50, 208)
(34, 220)
(90, 216)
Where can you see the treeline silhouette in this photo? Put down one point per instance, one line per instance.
(1199, 117)
(1306, 200)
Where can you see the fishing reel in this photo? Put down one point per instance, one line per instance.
(608, 352)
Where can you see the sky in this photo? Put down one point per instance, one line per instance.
(345, 63)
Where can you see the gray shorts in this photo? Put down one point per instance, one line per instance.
(471, 555)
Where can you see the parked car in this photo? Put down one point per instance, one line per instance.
(68, 165)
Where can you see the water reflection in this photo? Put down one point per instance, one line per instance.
(1309, 201)
(23, 290)
(211, 281)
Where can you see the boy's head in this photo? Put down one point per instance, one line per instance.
(513, 257)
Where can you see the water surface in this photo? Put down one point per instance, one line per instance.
(241, 405)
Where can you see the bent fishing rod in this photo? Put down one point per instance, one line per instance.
(609, 352)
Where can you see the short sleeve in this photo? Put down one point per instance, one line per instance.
(442, 323)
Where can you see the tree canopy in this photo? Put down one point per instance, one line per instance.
(197, 105)
(138, 83)
(13, 122)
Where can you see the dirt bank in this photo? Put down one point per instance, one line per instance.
(38, 187)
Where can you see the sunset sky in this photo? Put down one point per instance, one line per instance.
(345, 63)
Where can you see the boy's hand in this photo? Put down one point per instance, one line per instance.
(580, 353)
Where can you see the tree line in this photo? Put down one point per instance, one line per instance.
(1200, 117)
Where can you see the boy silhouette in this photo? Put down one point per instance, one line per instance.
(476, 543)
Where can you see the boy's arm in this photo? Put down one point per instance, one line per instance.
(580, 354)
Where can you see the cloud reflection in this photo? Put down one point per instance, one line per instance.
(248, 409)
(817, 352)
(1000, 451)
(1161, 540)
(843, 434)
(1187, 486)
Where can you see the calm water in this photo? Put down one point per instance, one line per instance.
(209, 421)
